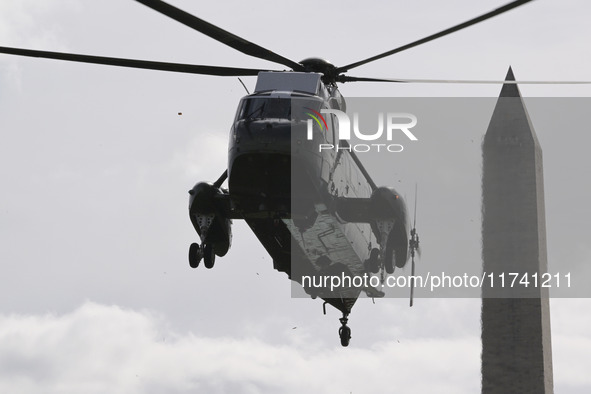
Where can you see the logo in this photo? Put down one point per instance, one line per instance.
(394, 124)
(323, 126)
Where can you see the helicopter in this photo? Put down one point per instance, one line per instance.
(288, 210)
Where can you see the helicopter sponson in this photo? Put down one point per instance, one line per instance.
(387, 206)
(385, 210)
(213, 226)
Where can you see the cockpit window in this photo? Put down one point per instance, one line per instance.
(265, 108)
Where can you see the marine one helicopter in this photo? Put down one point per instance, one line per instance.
(316, 212)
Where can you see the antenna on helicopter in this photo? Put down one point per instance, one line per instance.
(245, 88)
(413, 245)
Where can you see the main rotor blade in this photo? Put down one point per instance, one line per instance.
(432, 37)
(219, 34)
(345, 78)
(132, 63)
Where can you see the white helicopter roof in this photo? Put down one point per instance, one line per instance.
(288, 81)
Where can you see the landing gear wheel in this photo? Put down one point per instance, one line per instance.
(389, 261)
(345, 334)
(390, 254)
(344, 331)
(208, 256)
(374, 260)
(195, 255)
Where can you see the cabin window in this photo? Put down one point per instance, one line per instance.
(264, 108)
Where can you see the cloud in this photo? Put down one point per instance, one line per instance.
(98, 348)
(571, 344)
(20, 20)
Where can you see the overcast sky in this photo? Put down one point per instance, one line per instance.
(96, 293)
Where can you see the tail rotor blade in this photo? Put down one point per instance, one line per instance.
(412, 280)
(414, 224)
(413, 245)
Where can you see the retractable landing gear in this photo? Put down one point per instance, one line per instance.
(208, 256)
(344, 331)
(205, 252)
(195, 255)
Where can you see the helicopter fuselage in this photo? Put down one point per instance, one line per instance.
(311, 208)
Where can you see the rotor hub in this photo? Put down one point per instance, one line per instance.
(319, 65)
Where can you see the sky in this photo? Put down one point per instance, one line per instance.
(95, 163)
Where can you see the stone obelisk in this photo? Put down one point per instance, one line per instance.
(516, 346)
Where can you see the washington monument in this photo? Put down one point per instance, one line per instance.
(516, 345)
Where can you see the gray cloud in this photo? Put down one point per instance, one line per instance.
(99, 348)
